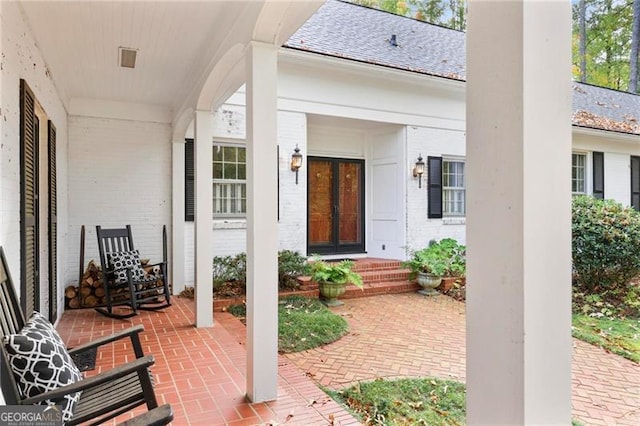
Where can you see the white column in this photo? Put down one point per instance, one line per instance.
(203, 162)
(262, 223)
(176, 254)
(518, 216)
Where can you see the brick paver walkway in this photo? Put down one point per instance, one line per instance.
(403, 335)
(201, 371)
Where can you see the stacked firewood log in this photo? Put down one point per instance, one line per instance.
(91, 292)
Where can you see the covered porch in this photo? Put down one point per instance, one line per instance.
(512, 335)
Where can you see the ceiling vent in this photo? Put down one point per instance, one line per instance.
(127, 57)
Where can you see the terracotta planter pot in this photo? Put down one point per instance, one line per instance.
(449, 282)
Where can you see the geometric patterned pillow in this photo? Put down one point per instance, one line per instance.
(40, 362)
(120, 261)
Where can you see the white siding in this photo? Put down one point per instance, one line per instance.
(119, 174)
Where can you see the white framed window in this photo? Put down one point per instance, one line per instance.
(229, 180)
(453, 188)
(578, 173)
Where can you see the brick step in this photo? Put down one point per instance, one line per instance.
(385, 275)
(366, 265)
(369, 277)
(370, 289)
(382, 287)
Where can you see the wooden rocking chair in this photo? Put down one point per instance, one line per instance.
(103, 396)
(126, 282)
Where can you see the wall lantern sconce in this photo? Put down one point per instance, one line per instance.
(418, 170)
(296, 161)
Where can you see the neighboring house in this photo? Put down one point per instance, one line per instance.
(363, 93)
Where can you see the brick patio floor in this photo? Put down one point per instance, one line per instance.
(410, 335)
(201, 371)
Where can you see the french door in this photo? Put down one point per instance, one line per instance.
(335, 206)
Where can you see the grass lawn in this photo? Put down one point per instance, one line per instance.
(426, 401)
(619, 336)
(420, 401)
(303, 323)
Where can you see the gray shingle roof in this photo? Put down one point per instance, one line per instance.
(357, 33)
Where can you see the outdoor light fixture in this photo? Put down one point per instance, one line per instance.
(296, 161)
(418, 170)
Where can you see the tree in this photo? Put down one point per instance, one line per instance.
(635, 48)
(428, 10)
(582, 25)
(602, 56)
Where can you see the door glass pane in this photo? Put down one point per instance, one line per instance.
(320, 202)
(349, 203)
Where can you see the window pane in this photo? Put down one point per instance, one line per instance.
(217, 153)
(229, 154)
(578, 173)
(229, 171)
(229, 174)
(453, 194)
(217, 170)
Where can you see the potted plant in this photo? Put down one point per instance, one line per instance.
(430, 264)
(332, 279)
(457, 269)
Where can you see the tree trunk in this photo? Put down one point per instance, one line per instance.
(582, 25)
(635, 48)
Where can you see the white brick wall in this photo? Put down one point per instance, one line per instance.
(617, 163)
(21, 58)
(434, 142)
(119, 174)
(292, 130)
(617, 177)
(229, 236)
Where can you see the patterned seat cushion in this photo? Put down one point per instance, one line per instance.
(40, 362)
(120, 261)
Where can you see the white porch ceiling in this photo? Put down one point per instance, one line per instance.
(179, 44)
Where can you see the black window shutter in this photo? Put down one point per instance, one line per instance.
(434, 187)
(635, 182)
(29, 280)
(598, 175)
(53, 225)
(189, 176)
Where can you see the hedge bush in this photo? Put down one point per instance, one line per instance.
(233, 270)
(605, 244)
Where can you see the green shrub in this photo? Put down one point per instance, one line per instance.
(605, 244)
(443, 258)
(230, 269)
(233, 270)
(291, 265)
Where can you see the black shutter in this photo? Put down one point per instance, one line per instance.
(53, 225)
(635, 182)
(434, 187)
(29, 280)
(189, 176)
(598, 175)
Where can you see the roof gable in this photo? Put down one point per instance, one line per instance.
(348, 31)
